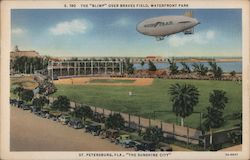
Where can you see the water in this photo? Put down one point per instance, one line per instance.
(226, 66)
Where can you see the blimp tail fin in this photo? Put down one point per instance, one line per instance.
(188, 14)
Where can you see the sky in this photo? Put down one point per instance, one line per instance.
(112, 32)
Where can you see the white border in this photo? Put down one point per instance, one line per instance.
(5, 50)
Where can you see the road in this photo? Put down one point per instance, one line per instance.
(29, 132)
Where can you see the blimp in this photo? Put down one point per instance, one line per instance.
(163, 26)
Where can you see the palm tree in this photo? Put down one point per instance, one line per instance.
(129, 66)
(217, 71)
(172, 67)
(151, 66)
(184, 97)
(214, 116)
(185, 68)
(218, 99)
(142, 64)
(201, 69)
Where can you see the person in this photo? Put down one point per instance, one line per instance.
(130, 93)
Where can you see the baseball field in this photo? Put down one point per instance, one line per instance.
(143, 96)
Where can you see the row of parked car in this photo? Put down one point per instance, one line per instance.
(45, 113)
(94, 128)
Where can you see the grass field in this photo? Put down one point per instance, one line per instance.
(147, 99)
(111, 81)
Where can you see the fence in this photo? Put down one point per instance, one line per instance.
(220, 137)
(170, 130)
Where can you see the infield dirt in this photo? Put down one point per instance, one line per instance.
(87, 81)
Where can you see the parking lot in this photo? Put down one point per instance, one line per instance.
(32, 133)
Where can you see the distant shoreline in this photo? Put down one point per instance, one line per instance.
(209, 60)
(193, 60)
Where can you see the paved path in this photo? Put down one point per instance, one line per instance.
(31, 133)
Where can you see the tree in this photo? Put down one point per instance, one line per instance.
(173, 67)
(129, 66)
(83, 112)
(233, 73)
(115, 121)
(47, 88)
(151, 66)
(40, 102)
(216, 70)
(200, 68)
(62, 103)
(185, 68)
(184, 97)
(27, 95)
(214, 116)
(153, 134)
(142, 64)
(218, 99)
(26, 64)
(18, 91)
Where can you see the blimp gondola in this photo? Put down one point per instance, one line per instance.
(163, 26)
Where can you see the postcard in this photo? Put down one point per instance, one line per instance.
(124, 79)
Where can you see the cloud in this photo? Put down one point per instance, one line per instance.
(122, 22)
(17, 31)
(70, 27)
(197, 38)
(210, 34)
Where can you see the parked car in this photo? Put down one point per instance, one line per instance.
(19, 104)
(26, 107)
(123, 140)
(13, 102)
(54, 115)
(112, 134)
(165, 148)
(34, 109)
(44, 113)
(94, 129)
(133, 144)
(64, 119)
(146, 146)
(75, 123)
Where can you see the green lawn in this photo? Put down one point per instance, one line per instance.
(147, 99)
(111, 81)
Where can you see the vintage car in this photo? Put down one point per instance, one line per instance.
(26, 106)
(75, 123)
(54, 115)
(93, 128)
(165, 148)
(123, 140)
(133, 144)
(146, 146)
(44, 113)
(64, 119)
(112, 134)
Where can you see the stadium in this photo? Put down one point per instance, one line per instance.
(106, 84)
